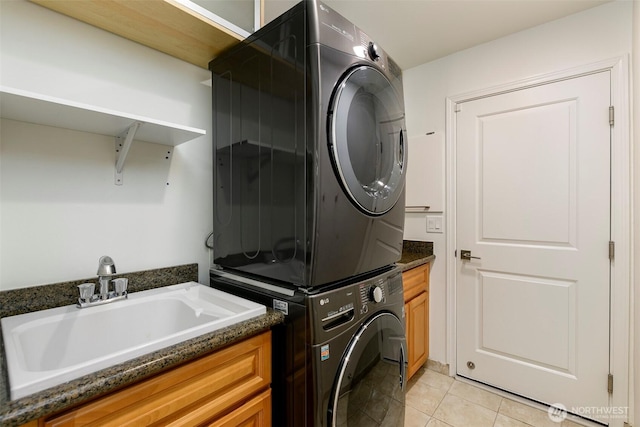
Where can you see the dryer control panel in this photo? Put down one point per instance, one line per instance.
(329, 28)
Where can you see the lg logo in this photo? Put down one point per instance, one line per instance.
(324, 301)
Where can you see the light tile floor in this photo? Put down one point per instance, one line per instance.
(437, 400)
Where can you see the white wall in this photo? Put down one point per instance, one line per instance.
(586, 37)
(59, 208)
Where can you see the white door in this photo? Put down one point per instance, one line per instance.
(533, 204)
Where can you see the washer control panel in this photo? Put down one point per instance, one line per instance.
(375, 294)
(334, 308)
(371, 292)
(335, 312)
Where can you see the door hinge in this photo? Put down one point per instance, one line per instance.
(611, 116)
(457, 108)
(455, 253)
(612, 250)
(610, 383)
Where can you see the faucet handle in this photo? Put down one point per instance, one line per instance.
(86, 291)
(120, 285)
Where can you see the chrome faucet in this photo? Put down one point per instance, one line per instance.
(106, 270)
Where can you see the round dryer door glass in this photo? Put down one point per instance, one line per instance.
(369, 388)
(367, 139)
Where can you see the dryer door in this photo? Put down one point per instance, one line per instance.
(369, 387)
(367, 139)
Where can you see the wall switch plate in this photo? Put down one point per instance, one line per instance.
(435, 224)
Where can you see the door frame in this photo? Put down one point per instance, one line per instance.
(621, 301)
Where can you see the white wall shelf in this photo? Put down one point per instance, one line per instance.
(25, 106)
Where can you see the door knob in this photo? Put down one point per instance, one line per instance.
(466, 255)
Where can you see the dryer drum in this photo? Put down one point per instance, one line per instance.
(366, 139)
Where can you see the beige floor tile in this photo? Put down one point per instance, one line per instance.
(437, 423)
(527, 414)
(569, 423)
(476, 395)
(423, 397)
(440, 401)
(432, 365)
(420, 372)
(459, 412)
(415, 418)
(503, 421)
(396, 409)
(435, 379)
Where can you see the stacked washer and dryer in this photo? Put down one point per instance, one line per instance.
(309, 155)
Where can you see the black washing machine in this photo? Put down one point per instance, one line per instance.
(359, 353)
(309, 151)
(340, 358)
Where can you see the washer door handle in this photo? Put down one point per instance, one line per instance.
(401, 150)
(403, 369)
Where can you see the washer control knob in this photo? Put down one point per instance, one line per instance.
(373, 51)
(375, 294)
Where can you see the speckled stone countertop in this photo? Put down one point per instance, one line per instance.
(415, 253)
(19, 411)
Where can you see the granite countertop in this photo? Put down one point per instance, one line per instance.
(20, 411)
(55, 399)
(415, 253)
(408, 264)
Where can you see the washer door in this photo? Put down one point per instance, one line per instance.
(366, 139)
(369, 387)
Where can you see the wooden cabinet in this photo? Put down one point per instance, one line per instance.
(166, 25)
(425, 165)
(254, 413)
(227, 388)
(416, 308)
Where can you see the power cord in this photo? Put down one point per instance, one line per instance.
(209, 238)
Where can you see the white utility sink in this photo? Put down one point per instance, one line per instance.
(49, 347)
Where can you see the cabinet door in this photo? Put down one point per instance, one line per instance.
(254, 413)
(417, 331)
(415, 281)
(241, 17)
(190, 394)
(425, 172)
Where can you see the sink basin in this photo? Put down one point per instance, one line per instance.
(49, 347)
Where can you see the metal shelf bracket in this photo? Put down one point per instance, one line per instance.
(123, 144)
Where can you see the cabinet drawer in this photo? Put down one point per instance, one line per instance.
(254, 413)
(187, 395)
(415, 281)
